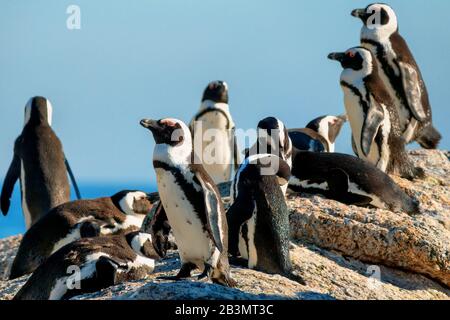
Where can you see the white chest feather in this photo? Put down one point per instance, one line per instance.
(25, 209)
(247, 247)
(193, 242)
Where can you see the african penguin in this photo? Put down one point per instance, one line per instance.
(213, 130)
(372, 114)
(349, 180)
(258, 219)
(319, 135)
(39, 163)
(399, 72)
(272, 138)
(89, 265)
(191, 201)
(71, 221)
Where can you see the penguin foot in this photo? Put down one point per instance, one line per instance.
(206, 273)
(185, 272)
(296, 278)
(238, 262)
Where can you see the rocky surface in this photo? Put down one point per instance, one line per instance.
(342, 252)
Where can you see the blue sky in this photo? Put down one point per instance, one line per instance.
(153, 58)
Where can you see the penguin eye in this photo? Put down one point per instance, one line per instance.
(351, 54)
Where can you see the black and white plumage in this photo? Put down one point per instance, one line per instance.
(123, 212)
(372, 114)
(349, 180)
(272, 138)
(213, 132)
(399, 72)
(96, 263)
(39, 163)
(258, 219)
(191, 201)
(319, 135)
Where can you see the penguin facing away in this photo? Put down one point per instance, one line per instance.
(259, 218)
(123, 212)
(349, 180)
(192, 203)
(39, 163)
(399, 72)
(213, 131)
(372, 115)
(319, 135)
(272, 138)
(89, 265)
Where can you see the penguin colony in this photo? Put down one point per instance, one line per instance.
(386, 104)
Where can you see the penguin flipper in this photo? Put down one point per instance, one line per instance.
(411, 83)
(240, 211)
(236, 156)
(160, 230)
(374, 119)
(72, 178)
(10, 180)
(213, 205)
(338, 182)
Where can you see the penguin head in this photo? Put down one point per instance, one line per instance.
(172, 132)
(328, 126)
(379, 19)
(216, 91)
(38, 110)
(142, 244)
(357, 62)
(132, 202)
(273, 136)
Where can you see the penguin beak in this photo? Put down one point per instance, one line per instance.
(360, 13)
(338, 56)
(152, 125)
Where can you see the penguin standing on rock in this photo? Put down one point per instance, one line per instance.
(319, 135)
(213, 129)
(258, 219)
(192, 203)
(123, 212)
(399, 72)
(372, 114)
(89, 265)
(39, 163)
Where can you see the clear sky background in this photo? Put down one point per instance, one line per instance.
(153, 58)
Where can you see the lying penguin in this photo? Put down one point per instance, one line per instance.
(258, 219)
(71, 221)
(89, 265)
(349, 180)
(319, 135)
(40, 165)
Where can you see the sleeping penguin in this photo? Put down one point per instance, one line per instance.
(258, 219)
(89, 265)
(71, 221)
(319, 135)
(349, 180)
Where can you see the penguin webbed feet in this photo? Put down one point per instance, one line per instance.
(207, 272)
(185, 272)
(297, 278)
